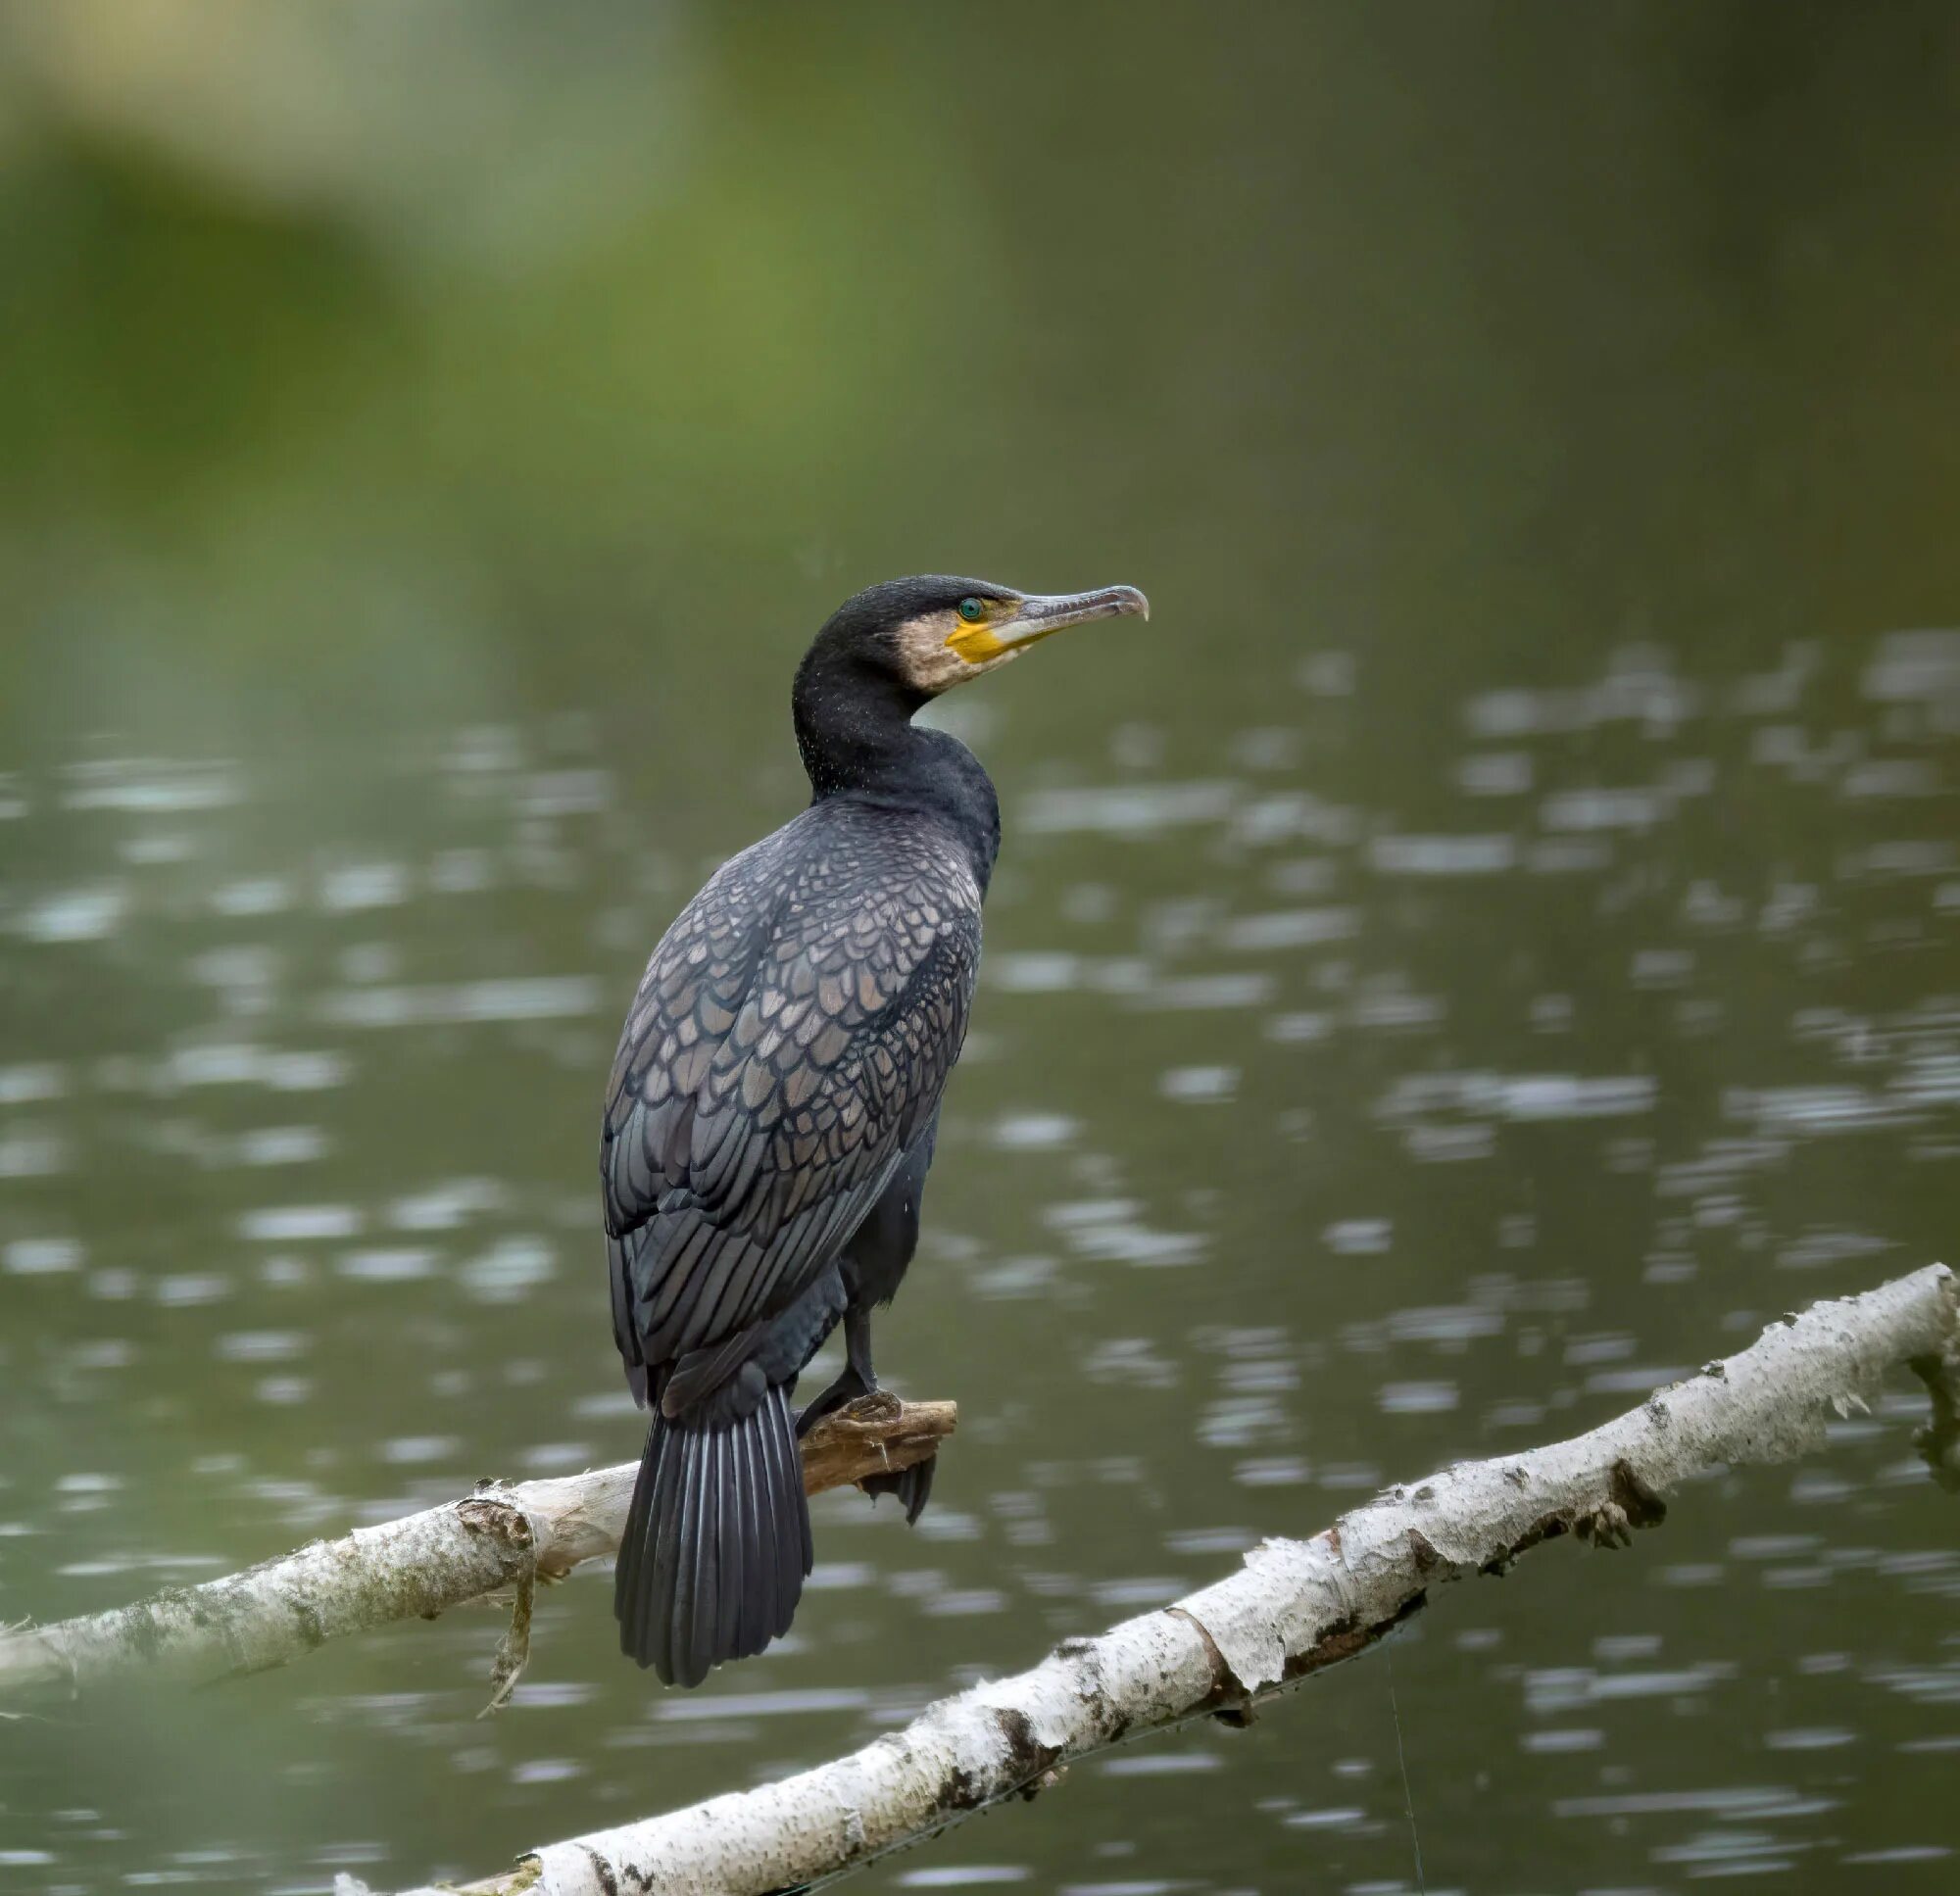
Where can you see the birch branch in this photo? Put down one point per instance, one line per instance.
(502, 1538)
(1294, 1608)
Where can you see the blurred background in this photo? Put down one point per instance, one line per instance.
(1490, 946)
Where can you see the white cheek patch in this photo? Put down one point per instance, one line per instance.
(930, 659)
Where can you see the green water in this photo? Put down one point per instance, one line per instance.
(1489, 944)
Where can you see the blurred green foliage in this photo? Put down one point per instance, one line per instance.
(481, 348)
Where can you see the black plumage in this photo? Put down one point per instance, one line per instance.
(773, 1106)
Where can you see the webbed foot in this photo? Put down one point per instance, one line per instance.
(912, 1486)
(848, 1388)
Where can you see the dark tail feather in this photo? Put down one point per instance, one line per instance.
(716, 1544)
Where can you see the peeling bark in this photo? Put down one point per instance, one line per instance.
(1294, 1608)
(503, 1538)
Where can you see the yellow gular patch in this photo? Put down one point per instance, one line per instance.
(975, 644)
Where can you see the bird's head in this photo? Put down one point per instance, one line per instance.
(930, 633)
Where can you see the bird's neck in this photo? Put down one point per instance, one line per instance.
(856, 738)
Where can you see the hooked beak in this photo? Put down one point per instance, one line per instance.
(1041, 614)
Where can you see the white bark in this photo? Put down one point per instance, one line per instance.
(1294, 1608)
(502, 1538)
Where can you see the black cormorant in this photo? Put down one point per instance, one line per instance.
(773, 1109)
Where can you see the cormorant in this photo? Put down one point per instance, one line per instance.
(772, 1111)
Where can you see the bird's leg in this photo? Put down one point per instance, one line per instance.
(912, 1485)
(856, 1379)
(858, 1347)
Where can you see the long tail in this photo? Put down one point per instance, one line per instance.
(717, 1541)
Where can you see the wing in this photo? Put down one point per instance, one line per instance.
(792, 1035)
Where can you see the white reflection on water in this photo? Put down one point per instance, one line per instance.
(509, 1270)
(1913, 666)
(533, 998)
(1033, 1132)
(1741, 1801)
(1291, 928)
(1198, 1085)
(231, 1063)
(356, 886)
(1198, 993)
(1161, 1764)
(674, 1710)
(1134, 809)
(1358, 1236)
(265, 1146)
(1416, 1398)
(261, 1345)
(290, 1224)
(386, 1264)
(962, 1876)
(40, 1256)
(151, 785)
(1552, 1691)
(1443, 855)
(85, 914)
(254, 896)
(446, 1206)
(21, 1086)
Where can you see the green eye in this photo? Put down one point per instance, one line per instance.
(972, 611)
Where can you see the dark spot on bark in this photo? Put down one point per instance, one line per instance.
(496, 1520)
(1548, 1526)
(1643, 1508)
(1028, 1762)
(963, 1791)
(306, 1616)
(1517, 1478)
(1347, 1637)
(1237, 1717)
(1426, 1492)
(145, 1633)
(1427, 1559)
(602, 1870)
(1027, 1755)
(1339, 1631)
(1333, 1538)
(1074, 1647)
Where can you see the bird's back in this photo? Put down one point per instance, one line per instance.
(792, 1033)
